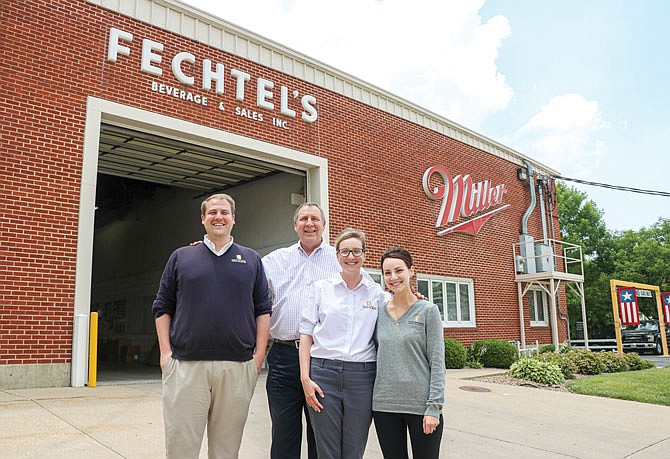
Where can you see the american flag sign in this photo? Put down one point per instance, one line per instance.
(665, 298)
(628, 306)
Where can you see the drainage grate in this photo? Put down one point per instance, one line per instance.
(474, 389)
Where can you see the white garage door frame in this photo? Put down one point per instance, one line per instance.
(100, 111)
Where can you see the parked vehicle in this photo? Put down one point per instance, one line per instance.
(644, 337)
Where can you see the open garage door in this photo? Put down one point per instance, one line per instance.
(148, 195)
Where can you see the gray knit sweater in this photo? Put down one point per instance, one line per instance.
(410, 361)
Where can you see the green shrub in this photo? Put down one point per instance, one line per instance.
(454, 353)
(547, 348)
(586, 362)
(473, 363)
(635, 362)
(562, 361)
(566, 349)
(537, 371)
(614, 363)
(493, 353)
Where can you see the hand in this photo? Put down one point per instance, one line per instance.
(258, 360)
(311, 389)
(165, 356)
(430, 423)
(419, 296)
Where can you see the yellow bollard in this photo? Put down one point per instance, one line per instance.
(93, 351)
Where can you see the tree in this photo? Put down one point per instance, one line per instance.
(644, 256)
(636, 256)
(581, 221)
(582, 224)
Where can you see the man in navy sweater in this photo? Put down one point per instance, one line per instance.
(212, 314)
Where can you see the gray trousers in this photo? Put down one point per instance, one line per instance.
(341, 428)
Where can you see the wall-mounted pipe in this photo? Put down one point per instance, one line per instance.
(531, 182)
(543, 214)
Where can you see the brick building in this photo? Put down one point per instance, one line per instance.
(119, 117)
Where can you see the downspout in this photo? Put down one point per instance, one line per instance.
(531, 183)
(543, 214)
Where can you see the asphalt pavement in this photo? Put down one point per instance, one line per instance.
(482, 420)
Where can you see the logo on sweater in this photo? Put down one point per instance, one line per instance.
(238, 259)
(416, 321)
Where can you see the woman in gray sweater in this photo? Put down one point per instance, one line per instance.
(409, 388)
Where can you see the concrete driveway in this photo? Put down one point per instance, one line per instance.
(482, 420)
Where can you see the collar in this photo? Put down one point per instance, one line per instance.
(318, 249)
(364, 281)
(210, 245)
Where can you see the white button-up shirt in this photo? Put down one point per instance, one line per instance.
(342, 321)
(291, 272)
(212, 247)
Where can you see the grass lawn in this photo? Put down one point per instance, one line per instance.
(648, 386)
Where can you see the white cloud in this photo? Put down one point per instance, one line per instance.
(564, 135)
(435, 53)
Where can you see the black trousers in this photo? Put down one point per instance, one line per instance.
(286, 400)
(392, 435)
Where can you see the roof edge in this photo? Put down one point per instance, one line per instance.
(195, 24)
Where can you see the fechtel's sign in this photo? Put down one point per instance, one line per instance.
(463, 199)
(214, 79)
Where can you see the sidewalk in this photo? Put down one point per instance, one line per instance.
(491, 421)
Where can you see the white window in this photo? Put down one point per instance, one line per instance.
(537, 300)
(376, 276)
(454, 297)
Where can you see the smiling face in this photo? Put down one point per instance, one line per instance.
(218, 220)
(309, 226)
(397, 275)
(351, 264)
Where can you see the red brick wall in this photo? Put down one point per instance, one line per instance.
(53, 56)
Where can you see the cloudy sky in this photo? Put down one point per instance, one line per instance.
(579, 85)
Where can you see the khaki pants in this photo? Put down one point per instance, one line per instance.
(215, 394)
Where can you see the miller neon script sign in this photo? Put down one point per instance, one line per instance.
(463, 199)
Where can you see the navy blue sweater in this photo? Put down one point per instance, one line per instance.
(213, 302)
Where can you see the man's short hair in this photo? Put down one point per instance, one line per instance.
(227, 197)
(308, 204)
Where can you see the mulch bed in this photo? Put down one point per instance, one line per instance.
(507, 379)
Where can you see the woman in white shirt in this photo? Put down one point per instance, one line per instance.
(337, 352)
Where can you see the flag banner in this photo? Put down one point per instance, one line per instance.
(665, 298)
(628, 306)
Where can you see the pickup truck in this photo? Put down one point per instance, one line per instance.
(644, 337)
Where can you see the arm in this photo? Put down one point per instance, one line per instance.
(308, 319)
(308, 386)
(163, 331)
(435, 353)
(262, 333)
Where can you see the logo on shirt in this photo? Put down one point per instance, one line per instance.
(369, 305)
(238, 259)
(416, 321)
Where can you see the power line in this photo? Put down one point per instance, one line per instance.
(615, 187)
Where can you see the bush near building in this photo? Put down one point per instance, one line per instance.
(493, 353)
(576, 361)
(454, 353)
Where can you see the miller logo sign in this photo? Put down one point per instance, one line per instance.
(463, 199)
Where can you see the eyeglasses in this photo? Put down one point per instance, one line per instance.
(345, 252)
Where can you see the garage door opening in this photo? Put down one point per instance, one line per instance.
(148, 194)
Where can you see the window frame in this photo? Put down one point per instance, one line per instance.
(532, 307)
(457, 281)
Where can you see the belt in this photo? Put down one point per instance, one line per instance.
(342, 365)
(288, 342)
